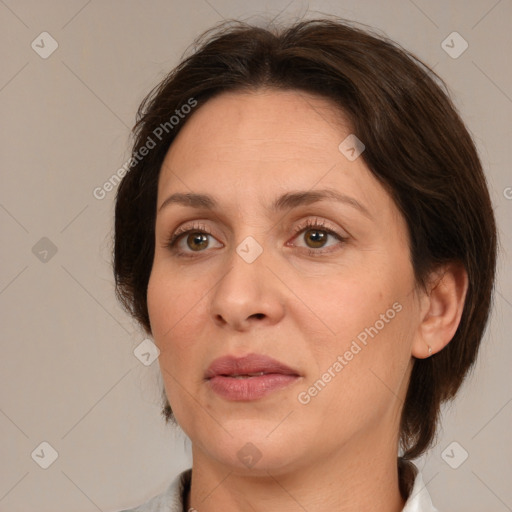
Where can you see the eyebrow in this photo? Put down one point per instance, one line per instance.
(287, 201)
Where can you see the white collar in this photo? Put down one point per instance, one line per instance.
(419, 499)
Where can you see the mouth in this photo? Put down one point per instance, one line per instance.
(252, 365)
(240, 388)
(248, 378)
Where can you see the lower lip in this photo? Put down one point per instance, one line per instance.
(250, 388)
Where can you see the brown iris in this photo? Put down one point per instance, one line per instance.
(318, 238)
(200, 238)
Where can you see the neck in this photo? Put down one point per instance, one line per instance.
(348, 480)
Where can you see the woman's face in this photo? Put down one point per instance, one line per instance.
(335, 302)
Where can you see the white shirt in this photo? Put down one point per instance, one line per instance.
(171, 500)
(419, 499)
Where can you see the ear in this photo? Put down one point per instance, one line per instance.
(441, 309)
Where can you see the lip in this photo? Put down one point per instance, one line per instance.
(251, 363)
(220, 376)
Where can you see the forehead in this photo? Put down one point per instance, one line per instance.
(266, 122)
(258, 144)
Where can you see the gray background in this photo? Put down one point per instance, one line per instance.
(68, 373)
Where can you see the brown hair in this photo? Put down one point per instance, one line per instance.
(416, 146)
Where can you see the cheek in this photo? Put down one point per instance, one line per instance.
(158, 300)
(171, 315)
(347, 304)
(178, 315)
(360, 373)
(172, 302)
(367, 322)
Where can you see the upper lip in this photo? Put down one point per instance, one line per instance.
(251, 363)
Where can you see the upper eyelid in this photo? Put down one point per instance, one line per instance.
(311, 219)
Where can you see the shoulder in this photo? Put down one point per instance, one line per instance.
(171, 499)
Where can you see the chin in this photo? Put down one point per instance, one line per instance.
(252, 447)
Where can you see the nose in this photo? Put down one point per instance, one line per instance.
(248, 294)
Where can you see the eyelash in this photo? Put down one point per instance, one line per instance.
(203, 229)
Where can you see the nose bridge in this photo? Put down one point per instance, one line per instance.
(248, 289)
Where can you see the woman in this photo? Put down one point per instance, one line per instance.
(306, 234)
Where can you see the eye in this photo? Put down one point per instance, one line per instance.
(187, 240)
(316, 235)
(196, 240)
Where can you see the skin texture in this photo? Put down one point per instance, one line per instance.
(338, 451)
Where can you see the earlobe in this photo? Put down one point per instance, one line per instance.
(443, 306)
